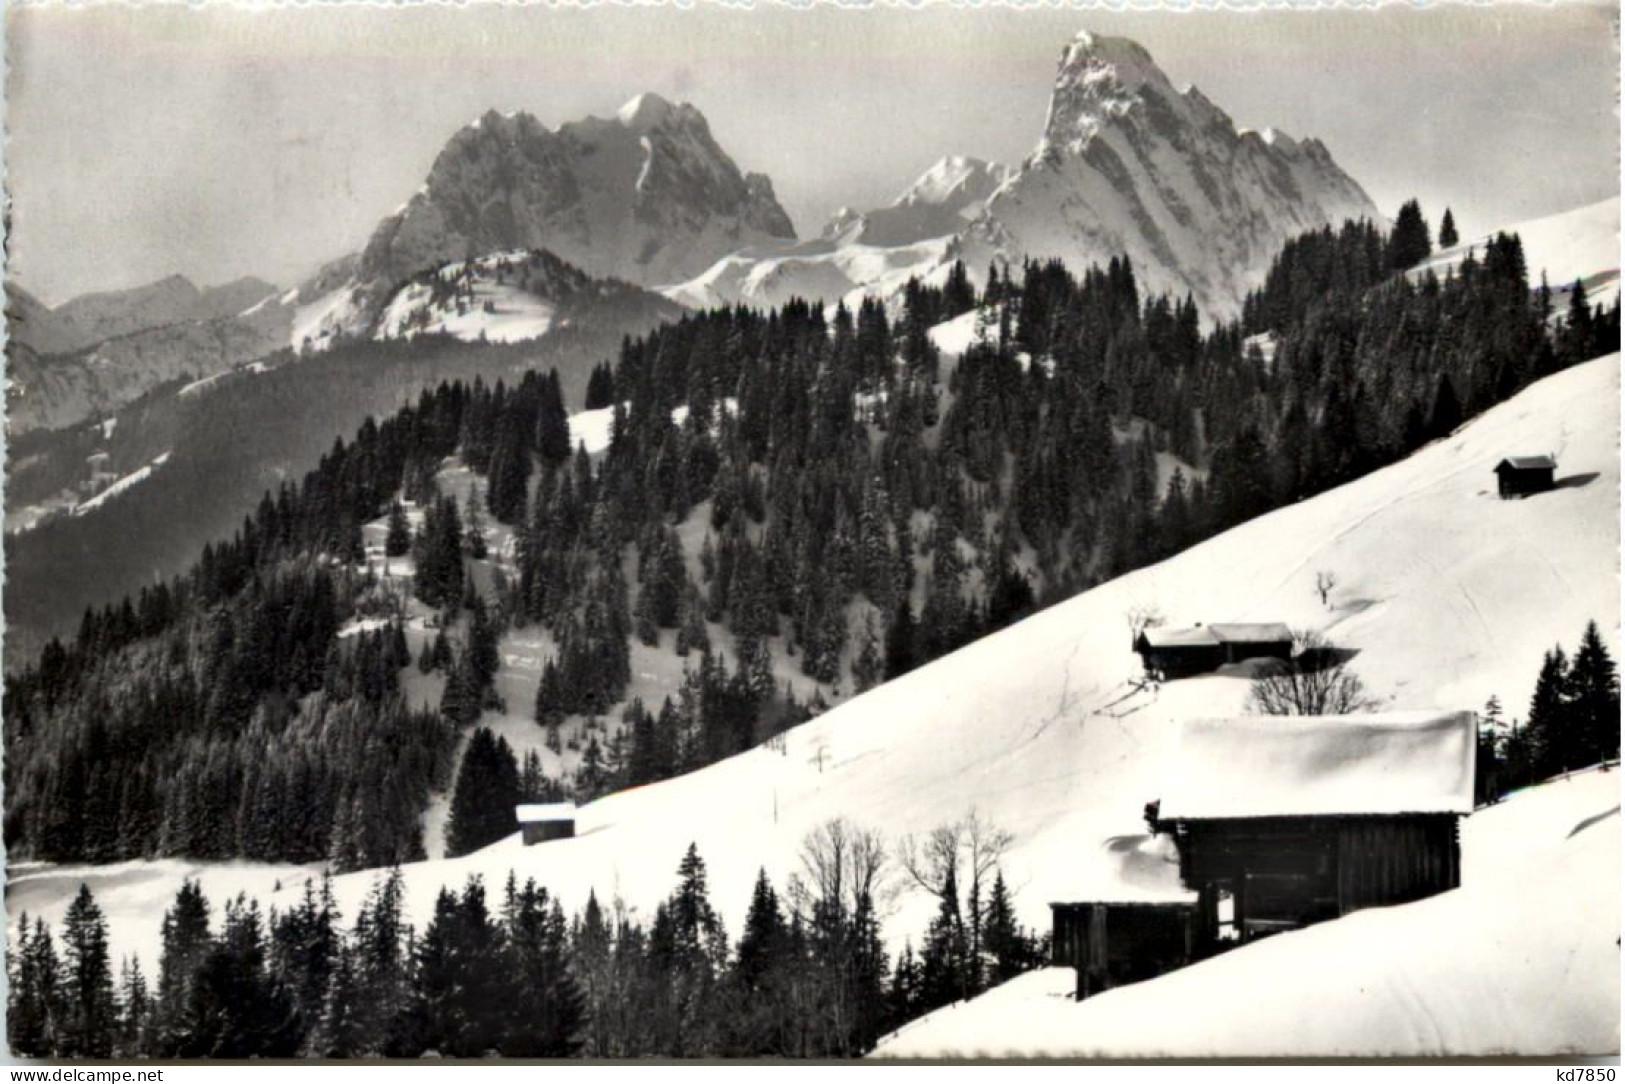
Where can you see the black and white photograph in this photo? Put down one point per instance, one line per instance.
(811, 532)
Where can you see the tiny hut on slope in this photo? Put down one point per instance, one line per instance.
(540, 823)
(1283, 822)
(1175, 653)
(1127, 918)
(1521, 475)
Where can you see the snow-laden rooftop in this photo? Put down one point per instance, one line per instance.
(1528, 462)
(545, 813)
(1224, 633)
(1361, 765)
(1128, 869)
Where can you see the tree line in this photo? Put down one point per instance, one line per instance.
(514, 976)
(1572, 722)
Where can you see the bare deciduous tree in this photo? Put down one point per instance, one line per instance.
(841, 864)
(1325, 581)
(1142, 616)
(971, 849)
(1315, 681)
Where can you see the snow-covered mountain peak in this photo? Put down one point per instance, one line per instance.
(1099, 78)
(645, 195)
(1128, 165)
(957, 179)
(648, 110)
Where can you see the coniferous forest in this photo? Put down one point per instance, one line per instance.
(868, 504)
(507, 973)
(867, 507)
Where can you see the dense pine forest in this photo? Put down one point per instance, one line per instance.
(867, 504)
(507, 974)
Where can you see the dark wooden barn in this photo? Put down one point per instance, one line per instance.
(1128, 918)
(1521, 475)
(1176, 653)
(541, 823)
(1284, 822)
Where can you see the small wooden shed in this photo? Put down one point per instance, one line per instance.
(1283, 822)
(1175, 653)
(541, 823)
(1521, 475)
(1127, 917)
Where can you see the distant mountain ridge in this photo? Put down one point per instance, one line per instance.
(1129, 165)
(1126, 165)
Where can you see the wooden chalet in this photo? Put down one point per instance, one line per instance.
(1521, 475)
(541, 823)
(1127, 919)
(1283, 822)
(1175, 653)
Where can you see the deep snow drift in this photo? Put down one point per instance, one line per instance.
(1446, 593)
(1522, 959)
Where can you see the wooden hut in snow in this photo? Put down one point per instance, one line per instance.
(541, 823)
(1283, 822)
(1126, 917)
(1175, 653)
(1521, 475)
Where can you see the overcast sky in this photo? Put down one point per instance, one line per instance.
(220, 142)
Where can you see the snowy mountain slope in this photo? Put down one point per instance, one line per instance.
(767, 276)
(937, 204)
(646, 196)
(1128, 164)
(1522, 959)
(1446, 594)
(493, 309)
(1582, 243)
(868, 253)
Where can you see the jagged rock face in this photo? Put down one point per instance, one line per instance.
(1130, 165)
(647, 196)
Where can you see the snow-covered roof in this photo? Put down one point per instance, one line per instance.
(1196, 637)
(542, 814)
(1352, 765)
(1138, 869)
(1528, 462)
(1225, 633)
(1258, 632)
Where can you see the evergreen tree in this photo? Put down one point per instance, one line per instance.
(1410, 243)
(36, 1011)
(1448, 237)
(92, 1012)
(398, 537)
(1593, 686)
(945, 956)
(482, 805)
(184, 942)
(1550, 738)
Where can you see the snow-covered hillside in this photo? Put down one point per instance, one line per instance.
(1522, 959)
(1446, 595)
(1579, 244)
